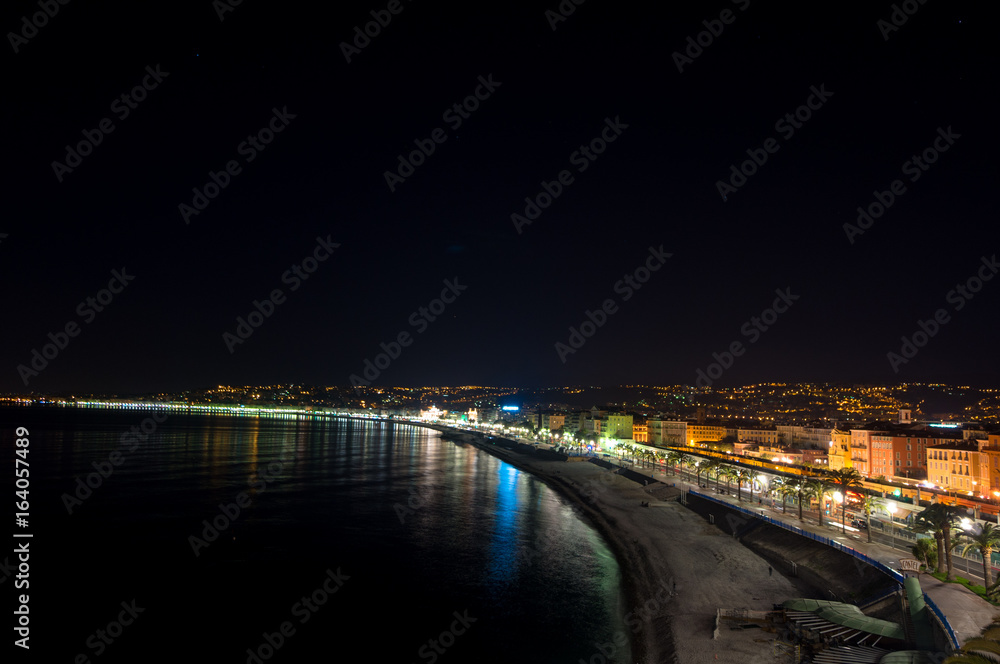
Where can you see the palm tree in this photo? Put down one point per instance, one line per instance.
(982, 650)
(924, 550)
(869, 504)
(713, 466)
(941, 518)
(689, 462)
(699, 468)
(785, 489)
(987, 539)
(777, 486)
(844, 479)
(816, 489)
(743, 475)
(730, 474)
(948, 518)
(673, 460)
(924, 523)
(797, 486)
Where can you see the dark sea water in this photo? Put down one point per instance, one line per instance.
(415, 538)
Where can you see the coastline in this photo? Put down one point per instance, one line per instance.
(658, 549)
(655, 547)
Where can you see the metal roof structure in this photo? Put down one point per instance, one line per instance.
(844, 622)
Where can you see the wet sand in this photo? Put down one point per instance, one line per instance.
(657, 547)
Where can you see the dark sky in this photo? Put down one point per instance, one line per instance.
(554, 91)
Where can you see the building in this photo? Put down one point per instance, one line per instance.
(859, 450)
(618, 426)
(576, 421)
(816, 457)
(804, 437)
(667, 433)
(880, 455)
(909, 449)
(961, 467)
(760, 436)
(553, 421)
(991, 448)
(776, 453)
(704, 433)
(640, 433)
(839, 454)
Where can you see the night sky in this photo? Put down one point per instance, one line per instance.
(879, 97)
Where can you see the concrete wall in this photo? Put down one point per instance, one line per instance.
(833, 574)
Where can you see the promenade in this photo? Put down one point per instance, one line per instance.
(966, 612)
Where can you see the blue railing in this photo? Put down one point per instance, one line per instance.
(895, 575)
(846, 549)
(944, 622)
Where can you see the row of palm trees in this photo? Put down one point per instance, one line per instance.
(941, 521)
(800, 488)
(938, 519)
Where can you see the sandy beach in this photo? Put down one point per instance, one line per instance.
(662, 545)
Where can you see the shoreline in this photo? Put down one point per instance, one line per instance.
(594, 517)
(663, 546)
(677, 570)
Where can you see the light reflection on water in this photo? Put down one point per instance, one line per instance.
(483, 536)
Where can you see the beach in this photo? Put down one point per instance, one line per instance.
(660, 546)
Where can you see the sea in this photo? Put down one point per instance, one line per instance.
(160, 536)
